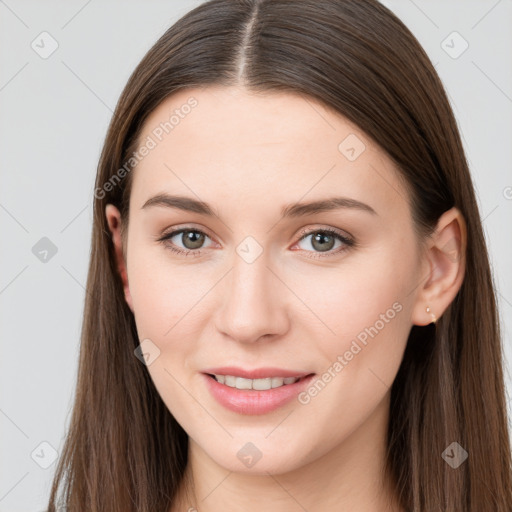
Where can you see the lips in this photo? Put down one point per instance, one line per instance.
(256, 391)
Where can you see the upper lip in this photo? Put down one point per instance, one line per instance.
(256, 373)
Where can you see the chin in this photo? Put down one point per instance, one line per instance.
(258, 458)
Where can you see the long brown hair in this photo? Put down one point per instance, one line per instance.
(124, 451)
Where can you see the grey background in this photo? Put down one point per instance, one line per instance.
(54, 116)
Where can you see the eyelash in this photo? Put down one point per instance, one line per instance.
(348, 242)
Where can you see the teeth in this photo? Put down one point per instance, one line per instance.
(242, 383)
(277, 382)
(262, 384)
(229, 380)
(257, 384)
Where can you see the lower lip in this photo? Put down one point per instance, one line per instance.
(252, 401)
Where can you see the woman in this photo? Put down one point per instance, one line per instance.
(289, 303)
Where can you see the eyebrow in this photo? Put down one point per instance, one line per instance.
(293, 210)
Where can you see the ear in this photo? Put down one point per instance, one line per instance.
(444, 264)
(114, 225)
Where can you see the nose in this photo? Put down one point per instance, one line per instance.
(253, 302)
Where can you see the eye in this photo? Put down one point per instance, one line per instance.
(191, 239)
(324, 241)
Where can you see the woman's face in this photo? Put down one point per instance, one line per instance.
(258, 287)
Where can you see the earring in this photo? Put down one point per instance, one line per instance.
(434, 319)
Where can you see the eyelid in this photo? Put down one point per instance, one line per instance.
(180, 228)
(348, 241)
(177, 230)
(342, 234)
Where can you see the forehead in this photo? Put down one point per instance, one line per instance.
(224, 143)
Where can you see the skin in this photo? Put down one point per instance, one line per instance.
(248, 156)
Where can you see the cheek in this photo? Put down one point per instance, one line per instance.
(162, 294)
(366, 308)
(166, 299)
(364, 289)
(372, 330)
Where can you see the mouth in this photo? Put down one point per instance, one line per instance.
(257, 391)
